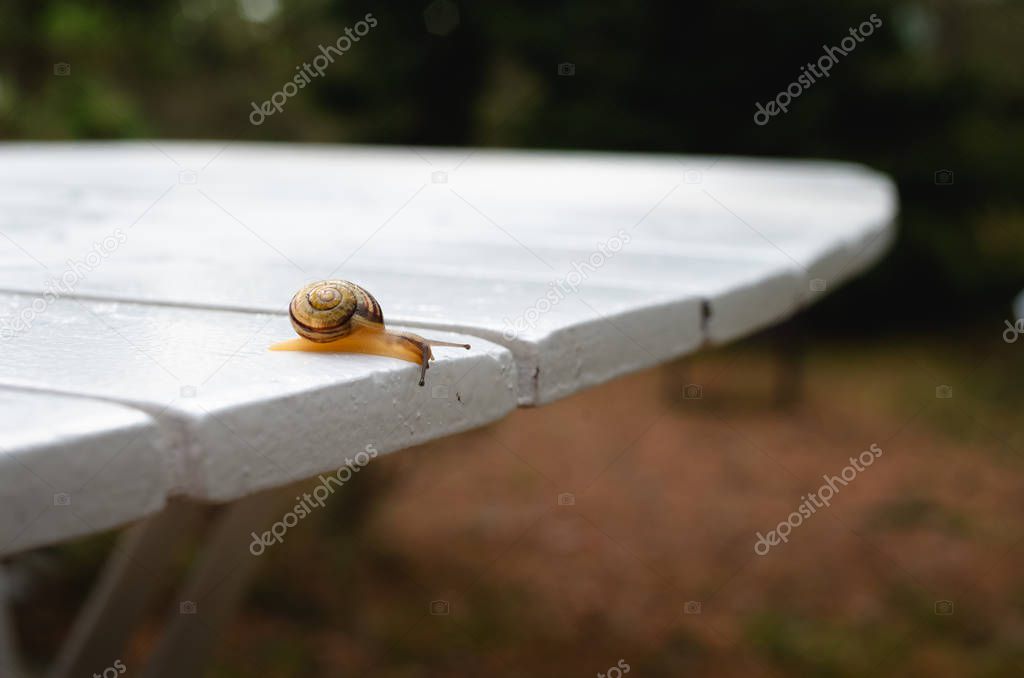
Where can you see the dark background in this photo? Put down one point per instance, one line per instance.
(669, 491)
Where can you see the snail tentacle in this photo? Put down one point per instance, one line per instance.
(450, 344)
(424, 347)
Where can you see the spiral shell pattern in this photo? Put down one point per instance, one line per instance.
(331, 309)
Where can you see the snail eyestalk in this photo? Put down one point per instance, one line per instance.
(424, 347)
(449, 344)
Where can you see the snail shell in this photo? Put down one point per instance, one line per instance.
(343, 312)
(331, 309)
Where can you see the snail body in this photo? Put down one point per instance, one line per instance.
(341, 317)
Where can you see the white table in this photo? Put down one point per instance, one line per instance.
(148, 378)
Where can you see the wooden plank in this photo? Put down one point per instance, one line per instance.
(71, 466)
(237, 416)
(474, 253)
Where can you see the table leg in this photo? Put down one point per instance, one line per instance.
(139, 565)
(790, 363)
(214, 587)
(10, 665)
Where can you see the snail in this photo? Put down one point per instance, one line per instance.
(338, 316)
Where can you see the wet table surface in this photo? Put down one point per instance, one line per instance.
(141, 284)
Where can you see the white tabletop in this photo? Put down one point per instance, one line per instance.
(71, 466)
(182, 258)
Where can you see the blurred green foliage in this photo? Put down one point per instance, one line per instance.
(937, 87)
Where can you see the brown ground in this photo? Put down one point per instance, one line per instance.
(669, 493)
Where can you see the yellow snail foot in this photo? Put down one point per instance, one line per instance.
(402, 345)
(372, 343)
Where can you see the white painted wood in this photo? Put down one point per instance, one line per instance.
(71, 466)
(300, 198)
(176, 262)
(469, 251)
(586, 338)
(242, 418)
(446, 275)
(150, 376)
